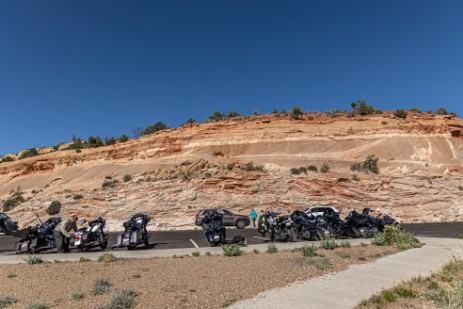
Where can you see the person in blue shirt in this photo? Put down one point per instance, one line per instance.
(253, 215)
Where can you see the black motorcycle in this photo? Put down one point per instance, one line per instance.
(366, 225)
(135, 232)
(340, 228)
(285, 228)
(92, 236)
(38, 238)
(310, 227)
(7, 225)
(216, 234)
(268, 224)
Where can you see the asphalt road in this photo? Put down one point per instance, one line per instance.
(196, 238)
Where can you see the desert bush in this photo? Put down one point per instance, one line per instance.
(400, 113)
(405, 291)
(442, 111)
(6, 301)
(328, 244)
(109, 183)
(251, 167)
(355, 177)
(77, 296)
(272, 248)
(6, 159)
(232, 114)
(325, 168)
(54, 208)
(83, 260)
(303, 169)
(295, 171)
(101, 286)
(32, 152)
(309, 250)
(127, 178)
(124, 299)
(230, 166)
(322, 263)
(312, 168)
(158, 126)
(12, 202)
(195, 253)
(392, 236)
(346, 244)
(460, 188)
(123, 138)
(33, 259)
(78, 197)
(256, 251)
(231, 250)
(107, 257)
(94, 142)
(296, 112)
(389, 296)
(216, 116)
(37, 306)
(371, 164)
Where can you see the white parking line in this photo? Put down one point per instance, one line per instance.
(194, 244)
(258, 237)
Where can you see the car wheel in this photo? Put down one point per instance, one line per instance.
(240, 224)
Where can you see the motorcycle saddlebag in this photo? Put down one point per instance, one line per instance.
(134, 237)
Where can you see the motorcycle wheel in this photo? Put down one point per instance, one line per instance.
(104, 245)
(147, 243)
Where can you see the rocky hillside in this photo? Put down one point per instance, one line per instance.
(174, 173)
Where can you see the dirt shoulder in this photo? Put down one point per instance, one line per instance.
(181, 282)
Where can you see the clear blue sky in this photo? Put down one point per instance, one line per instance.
(105, 67)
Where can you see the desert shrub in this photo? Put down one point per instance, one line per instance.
(29, 153)
(12, 202)
(158, 126)
(312, 168)
(109, 183)
(207, 175)
(303, 169)
(230, 166)
(77, 296)
(309, 250)
(328, 244)
(251, 167)
(259, 168)
(101, 286)
(389, 296)
(78, 197)
(322, 263)
(231, 250)
(190, 121)
(284, 112)
(107, 257)
(296, 112)
(216, 116)
(208, 253)
(256, 251)
(54, 208)
(378, 111)
(109, 140)
(272, 248)
(295, 171)
(460, 188)
(414, 109)
(6, 301)
(6, 159)
(442, 111)
(400, 113)
(346, 244)
(124, 299)
(371, 164)
(195, 253)
(83, 260)
(94, 142)
(325, 168)
(355, 177)
(127, 178)
(232, 114)
(392, 236)
(33, 259)
(123, 138)
(405, 291)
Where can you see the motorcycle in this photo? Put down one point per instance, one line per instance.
(340, 228)
(135, 232)
(7, 225)
(310, 228)
(385, 220)
(38, 238)
(268, 224)
(366, 225)
(92, 236)
(216, 233)
(285, 228)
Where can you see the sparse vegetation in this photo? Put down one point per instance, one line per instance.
(346, 244)
(369, 165)
(123, 138)
(12, 202)
(355, 177)
(33, 259)
(309, 250)
(37, 306)
(272, 248)
(328, 244)
(392, 236)
(127, 178)
(195, 253)
(230, 166)
(77, 296)
(83, 260)
(101, 286)
(6, 301)
(231, 250)
(400, 113)
(6, 159)
(325, 168)
(321, 263)
(296, 112)
(78, 197)
(312, 168)
(158, 126)
(389, 296)
(32, 152)
(251, 167)
(295, 171)
(54, 208)
(216, 116)
(107, 257)
(256, 251)
(112, 183)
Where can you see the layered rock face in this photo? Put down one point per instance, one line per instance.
(176, 173)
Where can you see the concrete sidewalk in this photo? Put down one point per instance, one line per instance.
(348, 288)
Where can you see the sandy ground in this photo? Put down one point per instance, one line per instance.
(181, 282)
